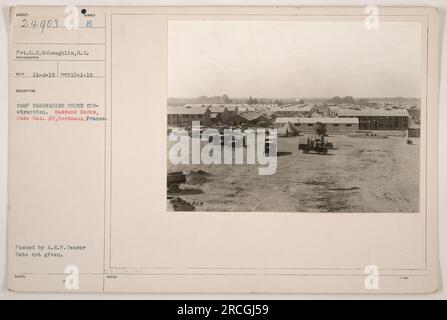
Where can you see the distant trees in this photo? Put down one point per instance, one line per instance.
(335, 99)
(216, 99)
(347, 99)
(363, 101)
(278, 102)
(321, 129)
(251, 100)
(226, 99)
(200, 100)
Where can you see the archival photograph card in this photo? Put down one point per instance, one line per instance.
(223, 149)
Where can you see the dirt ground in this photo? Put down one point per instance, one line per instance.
(362, 174)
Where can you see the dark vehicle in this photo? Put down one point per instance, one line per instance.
(175, 179)
(316, 143)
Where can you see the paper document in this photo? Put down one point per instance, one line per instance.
(223, 149)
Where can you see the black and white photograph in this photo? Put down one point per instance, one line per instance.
(294, 116)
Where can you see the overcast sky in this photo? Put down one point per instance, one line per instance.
(294, 59)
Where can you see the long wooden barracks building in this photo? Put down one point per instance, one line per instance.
(378, 119)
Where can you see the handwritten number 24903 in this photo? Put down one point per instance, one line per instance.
(40, 24)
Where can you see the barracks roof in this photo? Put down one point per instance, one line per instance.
(373, 113)
(316, 120)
